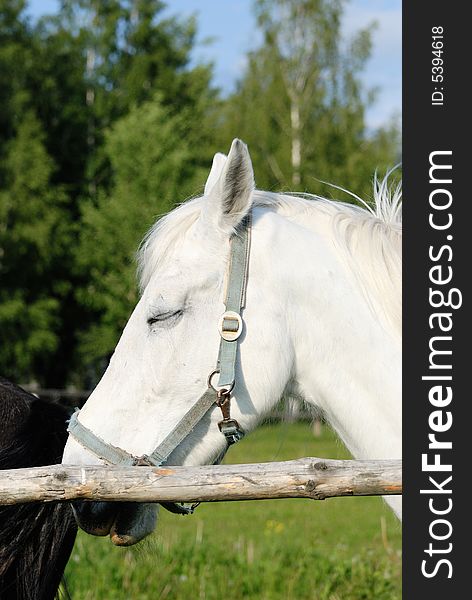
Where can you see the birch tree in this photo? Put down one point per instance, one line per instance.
(300, 103)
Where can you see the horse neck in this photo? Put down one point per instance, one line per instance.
(347, 361)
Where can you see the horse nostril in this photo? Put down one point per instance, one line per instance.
(95, 518)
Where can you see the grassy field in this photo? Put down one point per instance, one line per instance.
(338, 549)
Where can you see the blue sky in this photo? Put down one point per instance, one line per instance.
(230, 24)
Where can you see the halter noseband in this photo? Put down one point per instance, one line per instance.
(230, 328)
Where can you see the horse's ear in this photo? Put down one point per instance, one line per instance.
(218, 163)
(230, 196)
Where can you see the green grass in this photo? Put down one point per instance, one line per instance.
(338, 549)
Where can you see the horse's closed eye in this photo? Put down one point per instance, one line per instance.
(169, 316)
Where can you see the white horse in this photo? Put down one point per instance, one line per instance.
(321, 322)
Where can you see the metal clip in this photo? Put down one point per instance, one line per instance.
(229, 427)
(142, 461)
(231, 430)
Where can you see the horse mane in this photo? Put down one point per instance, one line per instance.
(35, 539)
(368, 237)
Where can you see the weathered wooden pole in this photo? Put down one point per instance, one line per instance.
(315, 478)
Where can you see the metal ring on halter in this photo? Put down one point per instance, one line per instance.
(227, 389)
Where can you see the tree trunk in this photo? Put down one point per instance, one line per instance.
(296, 155)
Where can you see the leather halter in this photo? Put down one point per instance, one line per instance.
(230, 328)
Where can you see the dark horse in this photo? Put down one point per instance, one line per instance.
(36, 540)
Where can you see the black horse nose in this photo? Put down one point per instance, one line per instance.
(95, 518)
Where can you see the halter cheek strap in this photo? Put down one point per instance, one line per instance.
(230, 328)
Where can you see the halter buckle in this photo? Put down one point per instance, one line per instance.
(142, 461)
(230, 325)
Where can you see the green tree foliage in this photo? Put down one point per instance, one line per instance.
(32, 240)
(106, 124)
(130, 53)
(300, 104)
(65, 82)
(152, 156)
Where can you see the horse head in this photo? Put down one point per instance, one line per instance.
(307, 327)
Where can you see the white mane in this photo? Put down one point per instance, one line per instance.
(368, 238)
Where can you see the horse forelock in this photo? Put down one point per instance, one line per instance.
(368, 237)
(163, 237)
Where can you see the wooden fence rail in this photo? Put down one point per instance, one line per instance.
(315, 478)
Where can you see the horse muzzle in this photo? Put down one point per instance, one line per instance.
(127, 523)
